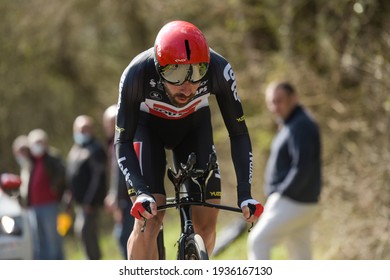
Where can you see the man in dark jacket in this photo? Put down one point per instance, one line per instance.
(86, 176)
(293, 179)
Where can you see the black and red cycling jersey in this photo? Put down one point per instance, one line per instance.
(143, 103)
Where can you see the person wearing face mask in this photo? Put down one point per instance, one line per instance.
(46, 185)
(86, 180)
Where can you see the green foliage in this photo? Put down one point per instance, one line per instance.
(59, 59)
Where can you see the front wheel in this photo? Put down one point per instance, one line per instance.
(194, 248)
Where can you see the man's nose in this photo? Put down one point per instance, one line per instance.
(187, 88)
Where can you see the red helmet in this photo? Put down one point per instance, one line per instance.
(181, 42)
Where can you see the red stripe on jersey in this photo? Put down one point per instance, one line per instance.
(162, 110)
(138, 152)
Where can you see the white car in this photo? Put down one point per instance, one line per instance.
(15, 229)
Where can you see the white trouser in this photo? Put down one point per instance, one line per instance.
(283, 219)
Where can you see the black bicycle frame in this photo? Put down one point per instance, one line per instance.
(183, 204)
(186, 226)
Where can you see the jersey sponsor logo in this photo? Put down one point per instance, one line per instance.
(155, 95)
(138, 151)
(131, 191)
(125, 171)
(152, 83)
(229, 75)
(119, 129)
(202, 88)
(241, 119)
(160, 86)
(203, 83)
(250, 167)
(215, 194)
(167, 111)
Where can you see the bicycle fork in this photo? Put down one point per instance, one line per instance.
(187, 228)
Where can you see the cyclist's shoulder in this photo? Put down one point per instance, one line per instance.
(217, 59)
(220, 73)
(135, 71)
(220, 68)
(145, 56)
(141, 61)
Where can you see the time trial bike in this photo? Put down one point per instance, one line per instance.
(190, 244)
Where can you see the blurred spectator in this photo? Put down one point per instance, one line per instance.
(46, 184)
(86, 177)
(292, 179)
(117, 201)
(22, 155)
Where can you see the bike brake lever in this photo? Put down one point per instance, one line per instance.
(250, 228)
(146, 205)
(144, 225)
(190, 162)
(213, 158)
(211, 166)
(252, 209)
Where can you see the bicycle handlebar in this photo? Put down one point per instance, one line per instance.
(198, 203)
(186, 171)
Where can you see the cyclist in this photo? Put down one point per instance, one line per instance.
(163, 104)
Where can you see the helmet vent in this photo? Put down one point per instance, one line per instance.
(188, 49)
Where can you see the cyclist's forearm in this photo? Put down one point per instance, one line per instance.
(242, 157)
(129, 165)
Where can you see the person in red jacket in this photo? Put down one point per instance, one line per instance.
(45, 188)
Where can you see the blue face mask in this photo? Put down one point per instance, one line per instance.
(81, 139)
(37, 149)
(22, 160)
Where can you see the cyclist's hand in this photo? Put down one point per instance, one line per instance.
(251, 209)
(144, 206)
